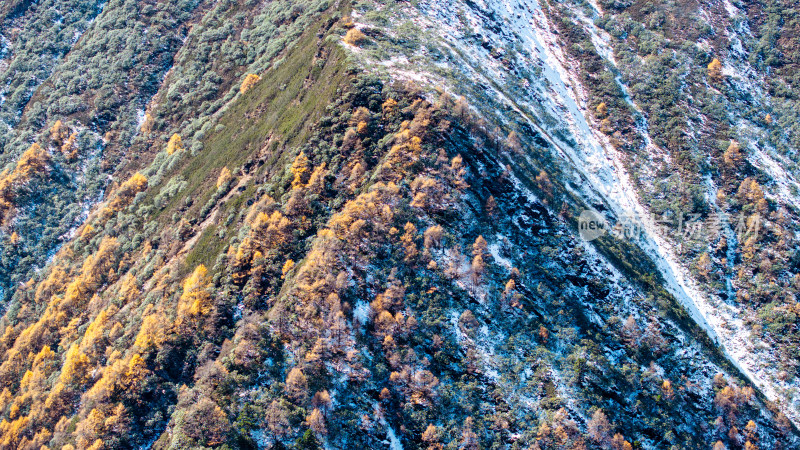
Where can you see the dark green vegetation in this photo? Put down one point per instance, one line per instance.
(705, 126)
(322, 257)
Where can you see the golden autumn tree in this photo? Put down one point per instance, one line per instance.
(97, 267)
(704, 265)
(388, 106)
(249, 81)
(135, 373)
(152, 332)
(510, 293)
(602, 110)
(354, 37)
(271, 231)
(195, 302)
(127, 191)
(316, 421)
(58, 132)
(479, 247)
(87, 232)
(356, 176)
(433, 237)
(390, 299)
(361, 114)
(240, 260)
(90, 428)
(598, 427)
(75, 368)
(322, 400)
(277, 419)
(715, 70)
(129, 288)
(301, 169)
(543, 334)
(33, 161)
(544, 184)
(480, 253)
(618, 442)
(147, 124)
(732, 157)
(174, 144)
(751, 431)
(297, 384)
(478, 267)
(94, 340)
(68, 146)
(423, 384)
(491, 205)
(224, 177)
(287, 267)
(428, 193)
(469, 440)
(206, 423)
(7, 193)
(750, 192)
(408, 240)
(431, 438)
(667, 390)
(316, 181)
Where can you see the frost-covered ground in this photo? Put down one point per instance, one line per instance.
(552, 101)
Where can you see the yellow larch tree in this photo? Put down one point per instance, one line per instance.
(287, 266)
(354, 37)
(249, 81)
(147, 124)
(174, 144)
(297, 384)
(126, 192)
(33, 161)
(715, 70)
(316, 421)
(224, 177)
(152, 333)
(408, 239)
(433, 236)
(301, 168)
(76, 365)
(732, 157)
(58, 132)
(195, 301)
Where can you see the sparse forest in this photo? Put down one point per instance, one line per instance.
(331, 225)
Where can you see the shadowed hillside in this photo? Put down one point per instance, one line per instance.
(344, 225)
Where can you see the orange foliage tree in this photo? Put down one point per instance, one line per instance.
(195, 302)
(249, 81)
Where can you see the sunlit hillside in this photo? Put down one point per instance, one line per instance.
(316, 224)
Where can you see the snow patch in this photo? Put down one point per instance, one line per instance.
(494, 249)
(361, 312)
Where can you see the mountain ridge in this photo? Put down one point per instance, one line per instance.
(333, 225)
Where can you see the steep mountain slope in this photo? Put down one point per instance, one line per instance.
(340, 226)
(747, 226)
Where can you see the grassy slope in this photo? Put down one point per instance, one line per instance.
(281, 109)
(277, 113)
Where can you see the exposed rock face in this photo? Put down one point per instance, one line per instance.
(447, 224)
